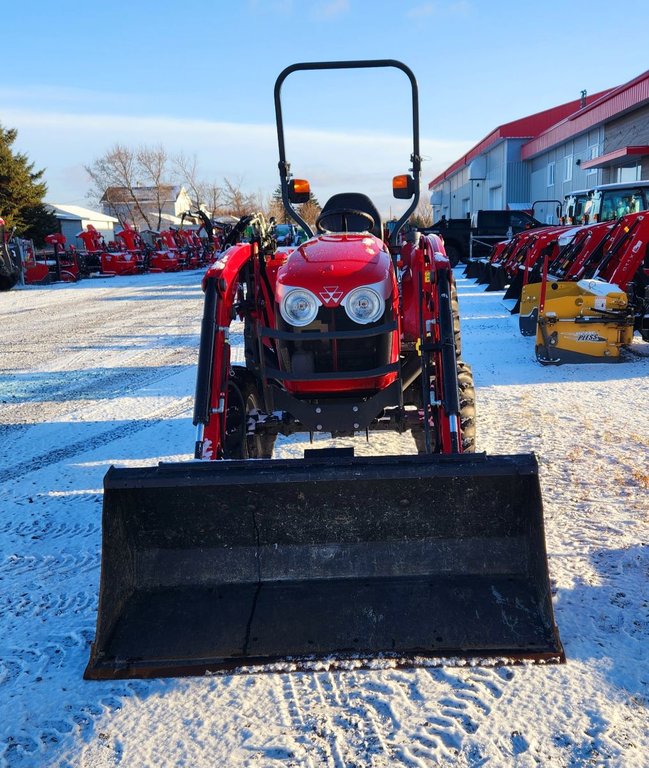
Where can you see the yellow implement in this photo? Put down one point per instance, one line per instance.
(579, 322)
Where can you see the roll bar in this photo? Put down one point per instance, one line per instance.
(284, 166)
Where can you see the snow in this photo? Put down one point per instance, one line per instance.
(102, 372)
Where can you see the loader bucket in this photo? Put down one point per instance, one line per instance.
(483, 271)
(472, 269)
(216, 565)
(498, 278)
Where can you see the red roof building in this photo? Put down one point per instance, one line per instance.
(597, 139)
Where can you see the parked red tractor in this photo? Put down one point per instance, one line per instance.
(225, 562)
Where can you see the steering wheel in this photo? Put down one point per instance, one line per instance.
(344, 212)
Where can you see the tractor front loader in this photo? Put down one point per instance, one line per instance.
(238, 558)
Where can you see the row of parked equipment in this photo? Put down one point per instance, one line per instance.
(129, 254)
(581, 291)
(132, 252)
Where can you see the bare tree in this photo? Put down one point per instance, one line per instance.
(213, 197)
(134, 186)
(186, 171)
(236, 202)
(118, 177)
(153, 163)
(422, 216)
(113, 177)
(206, 195)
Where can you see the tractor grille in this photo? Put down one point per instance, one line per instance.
(325, 355)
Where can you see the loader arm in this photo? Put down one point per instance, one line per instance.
(622, 266)
(222, 285)
(430, 273)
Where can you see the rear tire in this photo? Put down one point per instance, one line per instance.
(7, 283)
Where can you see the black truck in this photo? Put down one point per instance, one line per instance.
(476, 236)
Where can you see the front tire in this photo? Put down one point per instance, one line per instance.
(244, 403)
(466, 391)
(467, 406)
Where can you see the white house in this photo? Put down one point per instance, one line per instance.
(73, 219)
(147, 207)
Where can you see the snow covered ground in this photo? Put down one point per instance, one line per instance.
(102, 372)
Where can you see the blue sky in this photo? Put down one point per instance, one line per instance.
(198, 78)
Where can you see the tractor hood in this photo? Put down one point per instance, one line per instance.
(332, 265)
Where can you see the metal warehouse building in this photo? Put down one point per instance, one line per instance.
(543, 157)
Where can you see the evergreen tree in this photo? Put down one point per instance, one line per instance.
(21, 192)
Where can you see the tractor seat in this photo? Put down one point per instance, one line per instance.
(356, 201)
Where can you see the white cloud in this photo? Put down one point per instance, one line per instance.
(331, 9)
(272, 7)
(425, 10)
(63, 142)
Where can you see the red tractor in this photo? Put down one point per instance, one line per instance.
(334, 320)
(226, 562)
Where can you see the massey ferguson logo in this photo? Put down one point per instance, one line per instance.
(331, 295)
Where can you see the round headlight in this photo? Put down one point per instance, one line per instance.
(364, 305)
(299, 307)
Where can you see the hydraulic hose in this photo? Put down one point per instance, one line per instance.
(202, 397)
(449, 358)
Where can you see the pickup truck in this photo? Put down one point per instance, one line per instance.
(477, 235)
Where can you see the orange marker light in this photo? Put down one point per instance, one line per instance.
(301, 186)
(403, 187)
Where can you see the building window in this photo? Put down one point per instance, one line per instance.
(496, 198)
(550, 174)
(594, 152)
(628, 173)
(567, 168)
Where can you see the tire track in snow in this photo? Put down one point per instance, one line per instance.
(374, 717)
(353, 732)
(47, 604)
(39, 528)
(49, 566)
(171, 411)
(95, 385)
(311, 706)
(302, 721)
(54, 570)
(33, 662)
(56, 656)
(464, 699)
(432, 734)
